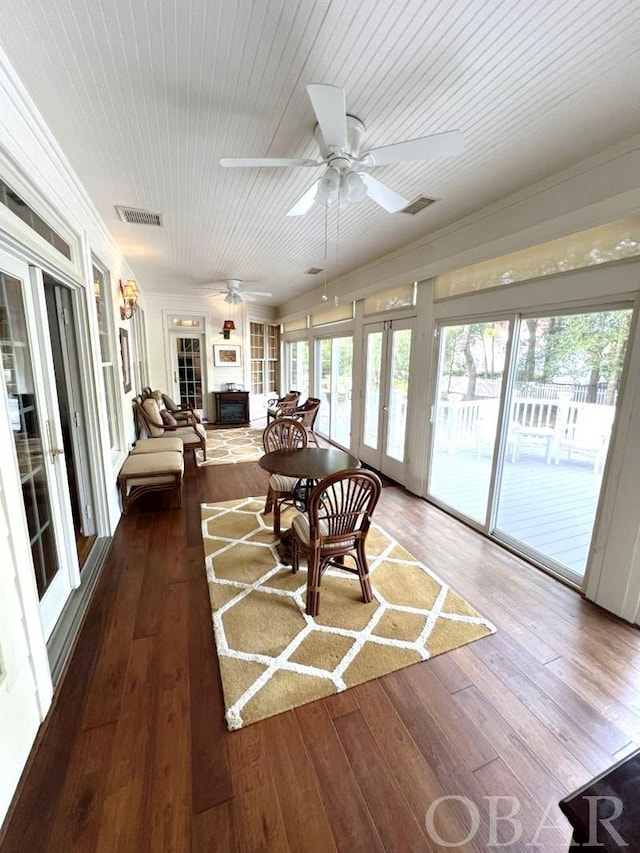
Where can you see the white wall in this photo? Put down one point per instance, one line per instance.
(161, 308)
(33, 165)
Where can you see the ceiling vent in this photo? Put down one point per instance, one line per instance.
(139, 217)
(418, 205)
(312, 271)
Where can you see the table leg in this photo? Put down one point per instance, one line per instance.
(284, 547)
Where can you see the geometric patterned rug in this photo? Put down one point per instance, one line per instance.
(273, 657)
(232, 445)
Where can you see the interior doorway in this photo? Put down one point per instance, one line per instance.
(187, 371)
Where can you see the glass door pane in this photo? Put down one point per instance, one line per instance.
(189, 372)
(27, 431)
(399, 384)
(298, 367)
(66, 365)
(335, 362)
(387, 351)
(469, 386)
(559, 426)
(37, 444)
(373, 372)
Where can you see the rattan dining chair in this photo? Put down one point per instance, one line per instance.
(335, 526)
(282, 407)
(281, 434)
(307, 414)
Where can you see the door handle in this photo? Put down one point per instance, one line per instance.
(54, 451)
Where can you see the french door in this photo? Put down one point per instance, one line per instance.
(38, 447)
(387, 352)
(334, 379)
(187, 371)
(66, 362)
(521, 426)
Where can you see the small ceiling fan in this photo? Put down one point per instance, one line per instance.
(339, 137)
(234, 292)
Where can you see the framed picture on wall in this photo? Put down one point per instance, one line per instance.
(126, 360)
(227, 355)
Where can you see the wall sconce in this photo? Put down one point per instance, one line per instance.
(129, 293)
(227, 327)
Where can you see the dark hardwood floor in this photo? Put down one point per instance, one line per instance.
(135, 755)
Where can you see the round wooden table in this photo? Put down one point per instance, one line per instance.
(308, 463)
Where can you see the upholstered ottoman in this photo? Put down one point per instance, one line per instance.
(158, 445)
(150, 472)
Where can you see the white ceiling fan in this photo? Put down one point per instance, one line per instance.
(234, 294)
(339, 137)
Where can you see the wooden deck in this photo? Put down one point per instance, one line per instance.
(135, 756)
(549, 507)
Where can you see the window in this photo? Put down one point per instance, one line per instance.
(22, 210)
(102, 293)
(599, 245)
(398, 297)
(141, 367)
(265, 347)
(297, 361)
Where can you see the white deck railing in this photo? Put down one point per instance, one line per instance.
(558, 424)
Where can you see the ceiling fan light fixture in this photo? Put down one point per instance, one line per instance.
(233, 298)
(353, 187)
(328, 187)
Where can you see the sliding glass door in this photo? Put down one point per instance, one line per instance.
(472, 361)
(521, 450)
(567, 377)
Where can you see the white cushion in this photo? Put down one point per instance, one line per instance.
(280, 483)
(190, 435)
(300, 525)
(158, 445)
(152, 464)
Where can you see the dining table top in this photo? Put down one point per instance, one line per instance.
(312, 463)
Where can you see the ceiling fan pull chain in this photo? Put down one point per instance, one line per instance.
(326, 243)
(335, 298)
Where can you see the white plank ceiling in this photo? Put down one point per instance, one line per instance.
(145, 96)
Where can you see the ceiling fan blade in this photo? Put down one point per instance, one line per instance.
(257, 293)
(235, 162)
(382, 195)
(330, 106)
(305, 202)
(439, 145)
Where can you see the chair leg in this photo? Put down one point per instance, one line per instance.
(313, 583)
(363, 573)
(268, 504)
(295, 552)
